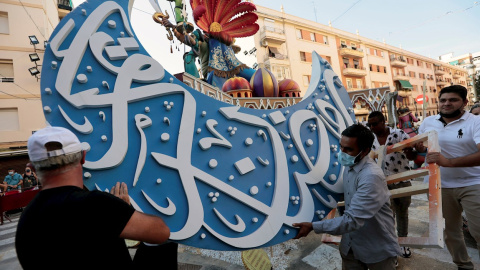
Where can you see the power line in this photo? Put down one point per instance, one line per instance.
(19, 86)
(27, 99)
(32, 20)
(346, 11)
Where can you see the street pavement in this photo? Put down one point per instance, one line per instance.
(307, 253)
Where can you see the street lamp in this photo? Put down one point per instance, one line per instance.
(34, 57)
(33, 40)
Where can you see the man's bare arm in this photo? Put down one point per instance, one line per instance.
(146, 228)
(465, 161)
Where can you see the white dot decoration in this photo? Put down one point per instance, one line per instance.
(159, 181)
(165, 103)
(204, 113)
(269, 184)
(295, 202)
(290, 146)
(217, 194)
(248, 141)
(336, 155)
(232, 132)
(203, 236)
(82, 78)
(254, 220)
(231, 177)
(229, 128)
(87, 175)
(47, 109)
(171, 103)
(332, 177)
(168, 107)
(84, 12)
(112, 24)
(321, 216)
(199, 130)
(286, 231)
(254, 190)
(171, 80)
(292, 198)
(317, 212)
(213, 163)
(294, 158)
(335, 163)
(89, 69)
(48, 91)
(312, 158)
(297, 198)
(264, 115)
(326, 97)
(165, 137)
(104, 138)
(85, 146)
(309, 142)
(214, 199)
(54, 64)
(147, 109)
(210, 194)
(235, 128)
(122, 34)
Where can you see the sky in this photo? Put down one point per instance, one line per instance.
(426, 27)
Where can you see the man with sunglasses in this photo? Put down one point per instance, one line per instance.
(394, 163)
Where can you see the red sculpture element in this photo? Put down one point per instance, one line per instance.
(225, 20)
(289, 88)
(237, 87)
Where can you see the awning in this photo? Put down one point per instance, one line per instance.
(405, 84)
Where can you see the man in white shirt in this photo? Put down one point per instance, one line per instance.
(459, 139)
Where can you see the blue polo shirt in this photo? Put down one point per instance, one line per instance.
(13, 179)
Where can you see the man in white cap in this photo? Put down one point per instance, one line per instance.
(67, 227)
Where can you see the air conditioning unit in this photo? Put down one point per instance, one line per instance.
(264, 43)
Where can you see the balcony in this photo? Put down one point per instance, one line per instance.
(354, 71)
(441, 82)
(457, 75)
(349, 51)
(439, 71)
(270, 34)
(398, 61)
(275, 59)
(400, 77)
(404, 93)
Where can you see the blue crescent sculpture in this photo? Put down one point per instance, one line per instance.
(221, 176)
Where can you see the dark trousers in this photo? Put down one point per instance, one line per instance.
(399, 207)
(163, 256)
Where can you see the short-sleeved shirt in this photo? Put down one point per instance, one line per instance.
(367, 226)
(457, 139)
(71, 228)
(394, 162)
(13, 179)
(29, 181)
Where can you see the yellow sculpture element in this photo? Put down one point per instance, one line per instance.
(215, 27)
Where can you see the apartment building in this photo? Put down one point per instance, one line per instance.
(285, 44)
(24, 27)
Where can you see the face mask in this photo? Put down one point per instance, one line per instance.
(27, 171)
(451, 115)
(346, 159)
(11, 173)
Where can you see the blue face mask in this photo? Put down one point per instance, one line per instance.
(346, 159)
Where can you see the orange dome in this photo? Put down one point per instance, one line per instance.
(235, 84)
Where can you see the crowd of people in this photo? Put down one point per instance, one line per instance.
(72, 219)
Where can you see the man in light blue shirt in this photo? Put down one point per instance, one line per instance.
(13, 180)
(368, 227)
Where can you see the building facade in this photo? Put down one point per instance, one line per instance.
(24, 26)
(285, 44)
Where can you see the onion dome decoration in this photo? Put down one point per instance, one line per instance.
(236, 83)
(289, 88)
(264, 83)
(225, 20)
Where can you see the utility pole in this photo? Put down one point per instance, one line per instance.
(472, 74)
(315, 11)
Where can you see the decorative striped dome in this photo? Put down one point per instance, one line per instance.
(288, 85)
(236, 83)
(264, 83)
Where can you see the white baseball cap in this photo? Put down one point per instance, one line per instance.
(36, 143)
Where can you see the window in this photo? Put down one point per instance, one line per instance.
(343, 44)
(4, 28)
(281, 72)
(312, 37)
(381, 54)
(303, 57)
(9, 118)
(353, 45)
(325, 40)
(306, 80)
(371, 68)
(299, 33)
(384, 69)
(345, 62)
(6, 68)
(349, 84)
(359, 84)
(378, 68)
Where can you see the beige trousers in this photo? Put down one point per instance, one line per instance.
(454, 201)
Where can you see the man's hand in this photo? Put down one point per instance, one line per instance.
(436, 157)
(305, 229)
(121, 191)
